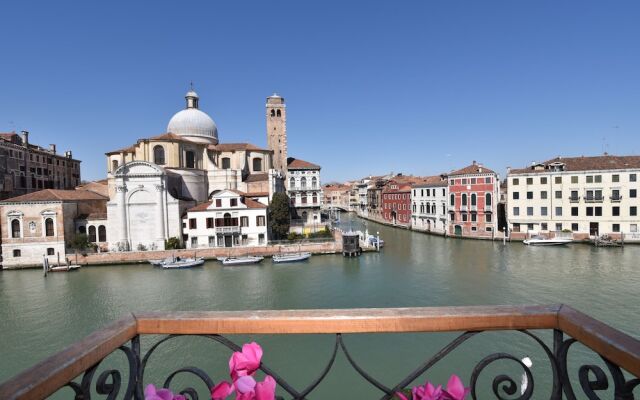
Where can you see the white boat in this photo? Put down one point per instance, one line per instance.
(158, 263)
(542, 241)
(64, 268)
(241, 260)
(373, 241)
(291, 257)
(179, 263)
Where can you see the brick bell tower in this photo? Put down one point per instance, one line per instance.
(277, 131)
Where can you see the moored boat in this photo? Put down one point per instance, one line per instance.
(542, 241)
(242, 260)
(374, 240)
(179, 263)
(64, 268)
(291, 257)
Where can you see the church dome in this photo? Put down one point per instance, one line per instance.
(193, 123)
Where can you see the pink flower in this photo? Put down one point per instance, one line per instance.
(151, 393)
(427, 392)
(246, 362)
(221, 391)
(266, 390)
(401, 396)
(455, 389)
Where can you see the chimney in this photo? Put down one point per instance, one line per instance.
(52, 148)
(25, 138)
(68, 154)
(474, 162)
(508, 170)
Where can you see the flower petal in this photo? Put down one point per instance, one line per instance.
(266, 390)
(221, 391)
(245, 384)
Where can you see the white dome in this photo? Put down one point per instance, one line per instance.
(193, 123)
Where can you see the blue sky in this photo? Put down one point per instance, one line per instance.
(371, 87)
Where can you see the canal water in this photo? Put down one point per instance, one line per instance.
(39, 316)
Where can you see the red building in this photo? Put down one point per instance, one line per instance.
(396, 200)
(473, 200)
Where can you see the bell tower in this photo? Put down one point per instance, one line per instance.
(277, 131)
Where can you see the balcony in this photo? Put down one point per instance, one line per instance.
(593, 199)
(574, 199)
(615, 198)
(228, 229)
(553, 330)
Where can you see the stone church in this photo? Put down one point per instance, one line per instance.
(153, 182)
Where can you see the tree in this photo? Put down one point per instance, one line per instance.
(280, 215)
(80, 242)
(172, 243)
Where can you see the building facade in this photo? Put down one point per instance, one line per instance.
(40, 224)
(473, 198)
(153, 182)
(305, 191)
(587, 196)
(429, 205)
(396, 203)
(229, 219)
(26, 167)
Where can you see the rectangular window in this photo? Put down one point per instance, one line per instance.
(464, 217)
(474, 217)
(558, 180)
(543, 180)
(194, 242)
(633, 211)
(543, 226)
(615, 211)
(615, 227)
(543, 211)
(516, 211)
(529, 195)
(516, 195)
(615, 178)
(51, 251)
(633, 193)
(260, 238)
(558, 227)
(212, 241)
(473, 181)
(633, 177)
(589, 211)
(558, 194)
(529, 227)
(192, 223)
(530, 211)
(558, 211)
(218, 202)
(244, 221)
(487, 217)
(529, 181)
(234, 202)
(209, 223)
(598, 178)
(574, 211)
(574, 227)
(574, 179)
(515, 181)
(589, 178)
(543, 195)
(260, 220)
(487, 179)
(633, 228)
(464, 181)
(598, 211)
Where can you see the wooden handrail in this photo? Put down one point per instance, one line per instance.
(47, 376)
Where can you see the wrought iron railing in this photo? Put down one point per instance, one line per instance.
(76, 367)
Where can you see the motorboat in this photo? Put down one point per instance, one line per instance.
(158, 263)
(542, 241)
(229, 261)
(291, 257)
(180, 263)
(64, 268)
(374, 240)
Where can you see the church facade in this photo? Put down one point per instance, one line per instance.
(154, 182)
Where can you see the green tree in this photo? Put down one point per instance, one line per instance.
(280, 215)
(172, 243)
(80, 242)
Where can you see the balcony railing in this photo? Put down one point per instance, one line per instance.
(74, 369)
(227, 229)
(574, 199)
(593, 199)
(615, 198)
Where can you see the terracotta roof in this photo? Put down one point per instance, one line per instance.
(585, 164)
(250, 203)
(257, 194)
(474, 168)
(200, 207)
(169, 136)
(130, 149)
(234, 147)
(8, 135)
(336, 188)
(57, 195)
(257, 177)
(431, 181)
(294, 163)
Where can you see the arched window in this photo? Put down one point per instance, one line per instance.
(303, 183)
(114, 165)
(464, 199)
(279, 113)
(226, 163)
(158, 155)
(102, 233)
(273, 113)
(292, 183)
(227, 219)
(304, 216)
(487, 199)
(304, 198)
(257, 164)
(92, 234)
(15, 228)
(315, 198)
(453, 199)
(190, 159)
(82, 230)
(473, 199)
(314, 182)
(48, 227)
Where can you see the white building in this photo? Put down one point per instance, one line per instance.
(229, 219)
(429, 205)
(153, 182)
(588, 196)
(305, 191)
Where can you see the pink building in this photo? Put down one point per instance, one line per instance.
(473, 199)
